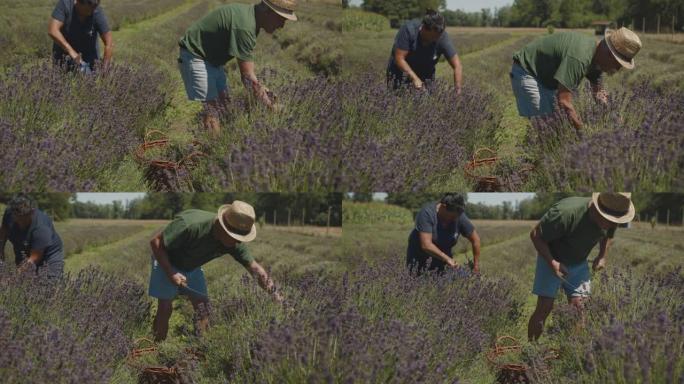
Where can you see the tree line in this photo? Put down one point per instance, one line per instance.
(542, 13)
(302, 208)
(647, 205)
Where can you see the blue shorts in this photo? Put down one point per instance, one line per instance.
(162, 288)
(203, 81)
(577, 282)
(532, 97)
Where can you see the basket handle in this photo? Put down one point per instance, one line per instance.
(150, 133)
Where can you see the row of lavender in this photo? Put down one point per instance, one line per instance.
(77, 330)
(374, 324)
(74, 133)
(634, 144)
(378, 324)
(356, 135)
(70, 132)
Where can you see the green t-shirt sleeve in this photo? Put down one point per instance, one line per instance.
(570, 73)
(175, 234)
(553, 225)
(241, 45)
(241, 255)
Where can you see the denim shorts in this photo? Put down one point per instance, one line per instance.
(203, 81)
(577, 282)
(162, 288)
(532, 97)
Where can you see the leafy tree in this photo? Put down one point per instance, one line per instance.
(400, 10)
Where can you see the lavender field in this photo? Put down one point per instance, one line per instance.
(338, 128)
(352, 314)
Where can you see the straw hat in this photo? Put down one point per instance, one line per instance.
(284, 8)
(237, 220)
(624, 45)
(614, 207)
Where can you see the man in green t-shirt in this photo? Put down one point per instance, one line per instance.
(191, 240)
(227, 32)
(563, 238)
(549, 69)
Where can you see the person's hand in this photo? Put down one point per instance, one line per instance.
(417, 83)
(598, 264)
(452, 264)
(276, 107)
(458, 91)
(601, 97)
(76, 58)
(558, 269)
(26, 266)
(178, 279)
(278, 297)
(476, 269)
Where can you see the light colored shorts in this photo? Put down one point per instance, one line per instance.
(162, 288)
(203, 81)
(577, 282)
(532, 97)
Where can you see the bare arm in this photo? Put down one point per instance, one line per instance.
(565, 103)
(428, 246)
(35, 256)
(162, 257)
(540, 245)
(108, 42)
(599, 93)
(475, 241)
(603, 247)
(544, 251)
(265, 281)
(57, 36)
(400, 59)
(455, 63)
(250, 81)
(600, 261)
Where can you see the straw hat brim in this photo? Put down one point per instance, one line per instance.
(616, 55)
(626, 218)
(241, 238)
(289, 16)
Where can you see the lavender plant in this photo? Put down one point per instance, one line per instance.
(634, 144)
(633, 331)
(374, 324)
(72, 330)
(351, 134)
(66, 132)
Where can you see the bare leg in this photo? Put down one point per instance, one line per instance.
(160, 326)
(202, 314)
(578, 303)
(212, 111)
(210, 118)
(536, 325)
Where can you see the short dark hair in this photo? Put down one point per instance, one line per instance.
(95, 3)
(21, 205)
(453, 202)
(433, 21)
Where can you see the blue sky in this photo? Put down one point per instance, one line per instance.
(470, 6)
(467, 5)
(107, 198)
(484, 198)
